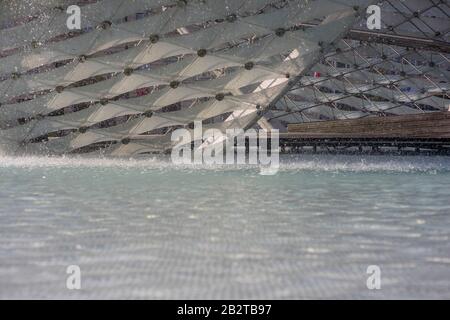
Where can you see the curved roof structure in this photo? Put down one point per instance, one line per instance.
(404, 68)
(138, 69)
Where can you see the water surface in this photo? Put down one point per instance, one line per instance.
(149, 229)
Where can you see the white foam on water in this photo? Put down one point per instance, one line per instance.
(325, 163)
(73, 162)
(366, 163)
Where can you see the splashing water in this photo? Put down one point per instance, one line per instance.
(325, 163)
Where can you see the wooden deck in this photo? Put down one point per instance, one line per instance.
(435, 125)
(428, 132)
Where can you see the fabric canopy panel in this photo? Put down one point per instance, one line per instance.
(183, 61)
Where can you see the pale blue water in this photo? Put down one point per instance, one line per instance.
(148, 229)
